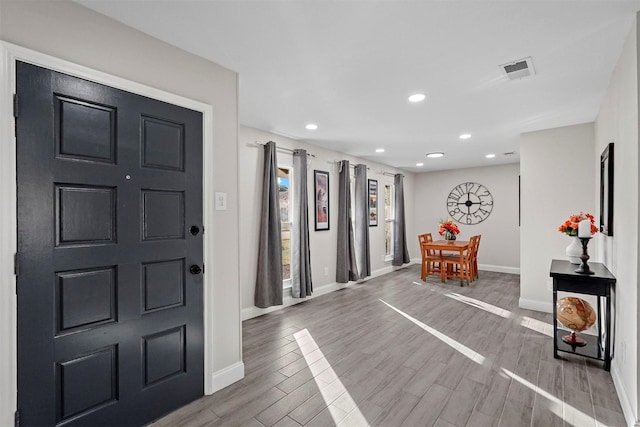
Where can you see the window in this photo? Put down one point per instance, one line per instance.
(389, 220)
(284, 184)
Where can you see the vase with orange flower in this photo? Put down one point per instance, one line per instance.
(570, 228)
(448, 229)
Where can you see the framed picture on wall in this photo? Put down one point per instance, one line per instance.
(606, 190)
(373, 203)
(321, 191)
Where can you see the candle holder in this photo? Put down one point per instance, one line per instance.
(584, 268)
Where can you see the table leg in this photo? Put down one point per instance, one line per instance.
(607, 349)
(555, 323)
(461, 270)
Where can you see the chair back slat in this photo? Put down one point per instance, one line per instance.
(422, 239)
(464, 269)
(430, 261)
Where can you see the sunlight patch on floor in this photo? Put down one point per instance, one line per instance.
(556, 405)
(537, 325)
(526, 321)
(481, 305)
(328, 392)
(560, 408)
(471, 354)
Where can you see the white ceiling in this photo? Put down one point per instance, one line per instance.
(349, 66)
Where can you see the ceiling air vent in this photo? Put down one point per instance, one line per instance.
(518, 69)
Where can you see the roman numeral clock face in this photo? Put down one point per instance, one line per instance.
(469, 203)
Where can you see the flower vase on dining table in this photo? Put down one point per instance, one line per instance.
(448, 230)
(449, 235)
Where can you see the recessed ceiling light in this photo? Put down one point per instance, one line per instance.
(311, 126)
(465, 136)
(419, 164)
(490, 156)
(379, 150)
(417, 97)
(435, 155)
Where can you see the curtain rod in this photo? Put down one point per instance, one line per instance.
(281, 149)
(351, 165)
(385, 173)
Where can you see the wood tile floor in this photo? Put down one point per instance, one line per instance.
(396, 351)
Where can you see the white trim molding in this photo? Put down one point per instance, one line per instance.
(287, 301)
(529, 304)
(627, 409)
(227, 376)
(9, 54)
(8, 243)
(484, 267)
(499, 268)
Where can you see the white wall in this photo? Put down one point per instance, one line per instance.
(323, 244)
(617, 122)
(500, 243)
(69, 31)
(557, 180)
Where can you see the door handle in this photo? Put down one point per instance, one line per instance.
(194, 230)
(195, 269)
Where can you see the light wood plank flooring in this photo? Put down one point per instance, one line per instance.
(396, 351)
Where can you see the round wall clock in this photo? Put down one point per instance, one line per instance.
(469, 203)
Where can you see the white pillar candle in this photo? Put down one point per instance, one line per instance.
(584, 228)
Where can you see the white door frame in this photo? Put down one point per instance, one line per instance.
(9, 54)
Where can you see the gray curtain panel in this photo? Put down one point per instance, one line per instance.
(363, 256)
(346, 267)
(301, 285)
(400, 252)
(269, 277)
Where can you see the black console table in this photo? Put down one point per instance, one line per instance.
(599, 284)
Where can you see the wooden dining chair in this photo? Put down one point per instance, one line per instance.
(475, 256)
(431, 261)
(461, 267)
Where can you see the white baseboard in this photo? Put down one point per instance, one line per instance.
(530, 304)
(484, 267)
(389, 269)
(499, 268)
(227, 376)
(251, 312)
(627, 409)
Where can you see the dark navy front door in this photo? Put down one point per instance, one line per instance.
(110, 306)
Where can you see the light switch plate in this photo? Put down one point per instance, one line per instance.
(221, 201)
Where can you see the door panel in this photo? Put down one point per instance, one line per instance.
(110, 320)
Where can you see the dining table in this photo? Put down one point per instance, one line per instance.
(443, 246)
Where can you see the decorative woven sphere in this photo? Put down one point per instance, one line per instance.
(575, 313)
